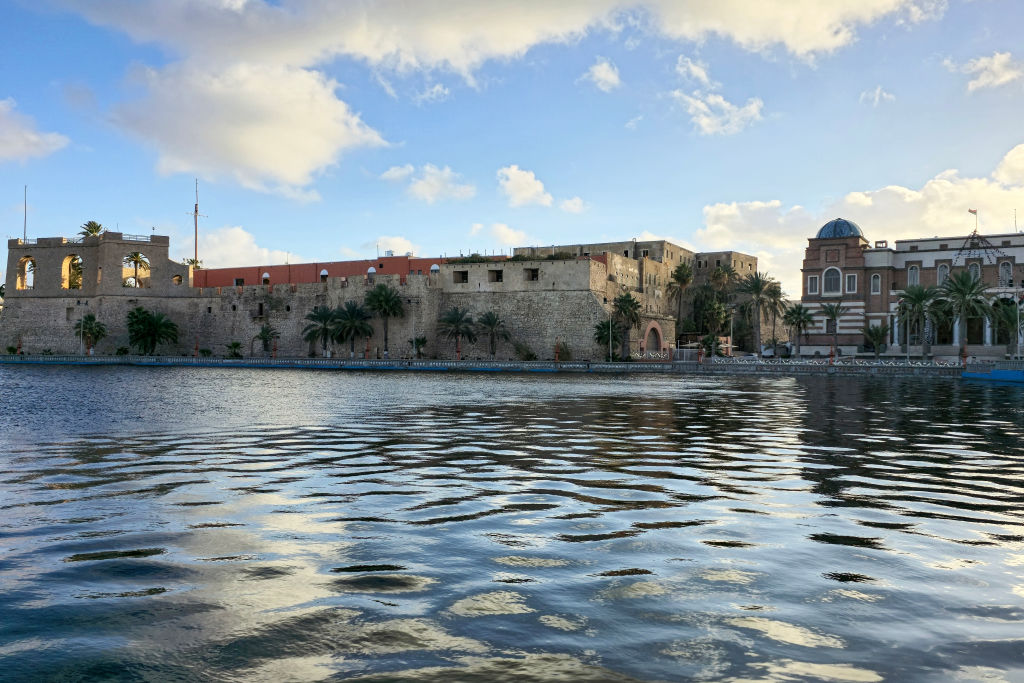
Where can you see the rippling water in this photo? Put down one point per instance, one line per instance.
(244, 525)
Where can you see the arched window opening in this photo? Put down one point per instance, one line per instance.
(71, 272)
(26, 273)
(913, 276)
(265, 278)
(832, 281)
(876, 284)
(975, 270)
(176, 280)
(323, 275)
(943, 273)
(135, 270)
(371, 270)
(1005, 274)
(435, 269)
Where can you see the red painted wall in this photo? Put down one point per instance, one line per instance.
(310, 272)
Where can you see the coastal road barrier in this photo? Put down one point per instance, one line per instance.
(747, 367)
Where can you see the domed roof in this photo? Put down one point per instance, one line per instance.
(839, 228)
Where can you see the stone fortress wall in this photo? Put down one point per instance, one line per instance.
(542, 301)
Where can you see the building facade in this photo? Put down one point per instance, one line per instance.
(868, 278)
(544, 301)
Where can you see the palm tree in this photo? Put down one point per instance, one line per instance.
(876, 335)
(234, 349)
(917, 306)
(137, 260)
(197, 264)
(147, 330)
(965, 297)
(457, 324)
(385, 301)
(607, 335)
(91, 228)
(321, 328)
(267, 334)
(722, 277)
(799, 319)
(680, 280)
(494, 327)
(775, 306)
(757, 286)
(90, 331)
(833, 312)
(626, 310)
(352, 320)
(417, 345)
(1009, 317)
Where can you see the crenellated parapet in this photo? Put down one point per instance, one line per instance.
(110, 264)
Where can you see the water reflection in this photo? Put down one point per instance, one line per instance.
(487, 528)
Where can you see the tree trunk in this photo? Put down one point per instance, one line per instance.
(924, 337)
(625, 344)
(458, 347)
(757, 330)
(385, 336)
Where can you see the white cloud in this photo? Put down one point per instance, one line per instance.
(234, 246)
(246, 99)
(19, 139)
(271, 128)
(777, 235)
(460, 35)
(604, 75)
(509, 237)
(1010, 170)
(396, 173)
(989, 72)
(433, 184)
(803, 27)
(522, 187)
(476, 228)
(435, 93)
(694, 71)
(876, 96)
(633, 122)
(712, 114)
(574, 205)
(399, 245)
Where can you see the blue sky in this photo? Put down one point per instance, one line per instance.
(320, 130)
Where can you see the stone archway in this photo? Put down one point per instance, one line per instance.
(652, 339)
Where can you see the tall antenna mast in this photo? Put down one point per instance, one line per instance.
(196, 216)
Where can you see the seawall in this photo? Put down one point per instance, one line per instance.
(673, 368)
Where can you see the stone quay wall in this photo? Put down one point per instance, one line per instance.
(542, 303)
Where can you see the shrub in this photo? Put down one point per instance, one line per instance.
(524, 352)
(563, 351)
(205, 353)
(11, 350)
(122, 351)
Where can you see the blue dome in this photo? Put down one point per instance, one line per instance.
(839, 228)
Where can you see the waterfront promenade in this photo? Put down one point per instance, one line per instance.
(738, 366)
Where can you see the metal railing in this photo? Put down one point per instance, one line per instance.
(847, 362)
(136, 238)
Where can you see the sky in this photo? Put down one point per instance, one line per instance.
(323, 130)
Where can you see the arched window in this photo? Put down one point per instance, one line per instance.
(832, 281)
(975, 270)
(71, 272)
(323, 275)
(913, 276)
(371, 270)
(435, 268)
(1005, 274)
(26, 273)
(266, 278)
(876, 284)
(943, 273)
(176, 280)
